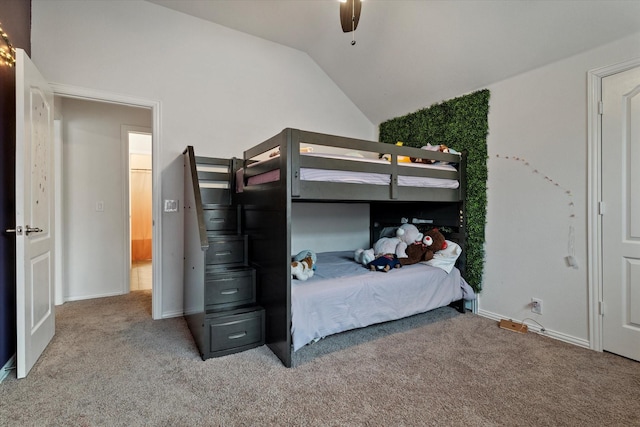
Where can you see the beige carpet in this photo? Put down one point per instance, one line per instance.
(111, 365)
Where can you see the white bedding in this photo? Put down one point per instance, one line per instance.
(343, 295)
(329, 175)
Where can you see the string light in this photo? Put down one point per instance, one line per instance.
(7, 52)
(571, 235)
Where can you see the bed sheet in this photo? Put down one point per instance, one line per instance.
(340, 176)
(343, 295)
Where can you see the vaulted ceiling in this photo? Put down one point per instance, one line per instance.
(410, 54)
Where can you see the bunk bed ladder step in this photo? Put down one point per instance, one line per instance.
(220, 286)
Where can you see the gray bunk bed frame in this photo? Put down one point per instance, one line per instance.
(266, 209)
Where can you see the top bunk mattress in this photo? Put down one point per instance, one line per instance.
(355, 177)
(344, 295)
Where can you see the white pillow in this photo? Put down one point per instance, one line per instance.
(446, 258)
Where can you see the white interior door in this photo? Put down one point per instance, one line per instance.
(34, 214)
(621, 219)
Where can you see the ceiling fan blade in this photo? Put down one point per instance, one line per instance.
(350, 15)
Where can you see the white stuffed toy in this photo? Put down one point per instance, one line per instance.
(302, 270)
(307, 253)
(406, 234)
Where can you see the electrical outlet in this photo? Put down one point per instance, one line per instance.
(536, 305)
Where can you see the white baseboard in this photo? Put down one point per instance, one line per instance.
(7, 368)
(534, 327)
(170, 314)
(164, 315)
(80, 298)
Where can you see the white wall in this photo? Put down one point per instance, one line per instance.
(219, 90)
(94, 257)
(324, 227)
(541, 117)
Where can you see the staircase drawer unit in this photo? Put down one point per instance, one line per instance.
(219, 285)
(234, 331)
(230, 288)
(221, 220)
(226, 251)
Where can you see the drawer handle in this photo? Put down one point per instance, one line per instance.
(223, 253)
(216, 219)
(237, 335)
(229, 291)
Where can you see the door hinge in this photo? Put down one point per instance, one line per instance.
(601, 308)
(600, 108)
(602, 207)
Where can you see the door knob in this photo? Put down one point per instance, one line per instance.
(28, 230)
(17, 230)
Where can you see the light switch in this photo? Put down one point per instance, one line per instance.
(171, 206)
(100, 206)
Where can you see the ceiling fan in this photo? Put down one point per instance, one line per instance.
(350, 16)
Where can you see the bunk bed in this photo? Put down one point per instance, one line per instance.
(300, 166)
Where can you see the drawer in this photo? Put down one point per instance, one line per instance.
(229, 288)
(235, 332)
(215, 196)
(221, 220)
(229, 250)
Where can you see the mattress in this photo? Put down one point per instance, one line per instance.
(353, 177)
(343, 295)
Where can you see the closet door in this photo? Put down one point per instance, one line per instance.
(621, 218)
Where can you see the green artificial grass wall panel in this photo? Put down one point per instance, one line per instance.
(462, 124)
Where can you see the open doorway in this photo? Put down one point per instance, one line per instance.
(95, 213)
(140, 208)
(139, 104)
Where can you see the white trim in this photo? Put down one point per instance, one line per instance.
(594, 185)
(8, 367)
(69, 91)
(126, 214)
(172, 314)
(533, 327)
(58, 294)
(92, 296)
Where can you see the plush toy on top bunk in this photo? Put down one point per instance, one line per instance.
(441, 148)
(432, 242)
(401, 159)
(303, 265)
(406, 235)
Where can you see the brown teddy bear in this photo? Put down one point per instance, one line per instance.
(432, 242)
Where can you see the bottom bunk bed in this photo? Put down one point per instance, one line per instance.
(343, 295)
(274, 176)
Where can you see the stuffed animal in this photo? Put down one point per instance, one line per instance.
(401, 159)
(416, 251)
(384, 263)
(306, 253)
(364, 256)
(442, 148)
(406, 234)
(432, 242)
(439, 243)
(302, 270)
